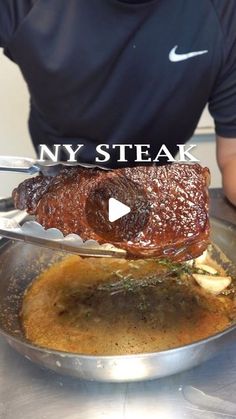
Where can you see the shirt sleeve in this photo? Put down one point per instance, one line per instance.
(12, 13)
(222, 102)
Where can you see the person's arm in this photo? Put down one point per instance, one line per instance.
(222, 101)
(226, 157)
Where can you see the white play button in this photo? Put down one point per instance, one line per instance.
(116, 210)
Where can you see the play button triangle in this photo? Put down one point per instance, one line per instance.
(116, 210)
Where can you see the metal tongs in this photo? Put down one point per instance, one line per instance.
(32, 166)
(32, 232)
(28, 233)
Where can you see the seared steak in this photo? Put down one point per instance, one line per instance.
(169, 207)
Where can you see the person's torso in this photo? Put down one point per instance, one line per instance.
(101, 71)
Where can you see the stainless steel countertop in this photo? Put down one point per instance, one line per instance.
(208, 391)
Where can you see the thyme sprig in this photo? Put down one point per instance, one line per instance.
(130, 284)
(127, 283)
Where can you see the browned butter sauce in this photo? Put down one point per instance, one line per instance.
(98, 306)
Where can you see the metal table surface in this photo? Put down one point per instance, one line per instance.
(208, 391)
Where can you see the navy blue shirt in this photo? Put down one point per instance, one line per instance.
(110, 71)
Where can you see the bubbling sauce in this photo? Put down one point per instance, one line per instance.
(113, 307)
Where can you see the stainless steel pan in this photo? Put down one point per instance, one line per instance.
(20, 263)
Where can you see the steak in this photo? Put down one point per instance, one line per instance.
(169, 207)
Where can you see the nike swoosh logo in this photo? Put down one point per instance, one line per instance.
(174, 57)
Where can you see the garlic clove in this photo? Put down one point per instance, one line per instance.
(206, 268)
(213, 284)
(202, 258)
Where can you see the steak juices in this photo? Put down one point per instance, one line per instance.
(169, 207)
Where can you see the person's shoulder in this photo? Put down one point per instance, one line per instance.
(222, 6)
(12, 13)
(17, 7)
(226, 13)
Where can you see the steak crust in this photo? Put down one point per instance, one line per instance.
(169, 207)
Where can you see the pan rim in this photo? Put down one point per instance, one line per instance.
(65, 354)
